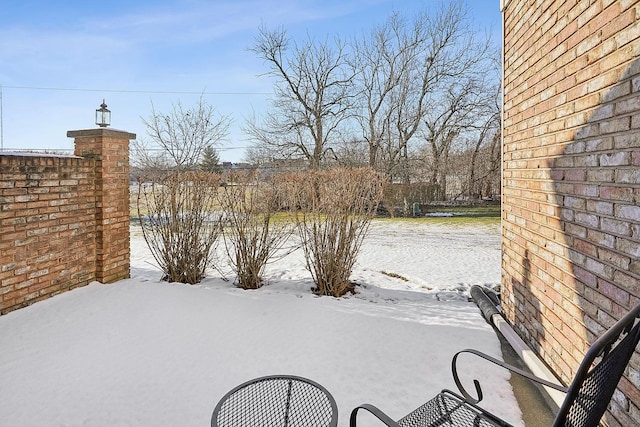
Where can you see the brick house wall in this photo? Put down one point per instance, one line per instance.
(571, 179)
(64, 221)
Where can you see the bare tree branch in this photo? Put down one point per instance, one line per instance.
(183, 134)
(312, 95)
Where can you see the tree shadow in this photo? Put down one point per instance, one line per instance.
(527, 298)
(587, 266)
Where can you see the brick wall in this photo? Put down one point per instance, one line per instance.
(110, 150)
(64, 221)
(571, 178)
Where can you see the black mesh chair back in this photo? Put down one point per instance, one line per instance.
(597, 377)
(277, 400)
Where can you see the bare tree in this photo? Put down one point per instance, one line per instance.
(444, 72)
(312, 95)
(350, 153)
(486, 155)
(485, 159)
(148, 162)
(385, 59)
(183, 134)
(458, 112)
(466, 116)
(406, 68)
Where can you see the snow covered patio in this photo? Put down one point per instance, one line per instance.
(141, 352)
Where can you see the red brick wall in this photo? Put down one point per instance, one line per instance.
(48, 229)
(110, 149)
(62, 219)
(571, 178)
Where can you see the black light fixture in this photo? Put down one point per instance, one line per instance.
(103, 115)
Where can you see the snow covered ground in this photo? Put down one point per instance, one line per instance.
(142, 352)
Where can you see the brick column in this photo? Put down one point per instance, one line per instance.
(110, 149)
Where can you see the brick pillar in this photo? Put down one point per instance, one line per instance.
(110, 149)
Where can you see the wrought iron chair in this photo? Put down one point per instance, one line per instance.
(586, 401)
(276, 400)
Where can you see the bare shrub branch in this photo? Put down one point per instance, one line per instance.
(336, 209)
(254, 233)
(180, 223)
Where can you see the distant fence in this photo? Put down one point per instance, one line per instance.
(64, 220)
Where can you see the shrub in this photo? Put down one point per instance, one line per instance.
(336, 207)
(180, 223)
(253, 235)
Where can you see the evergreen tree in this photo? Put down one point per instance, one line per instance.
(210, 160)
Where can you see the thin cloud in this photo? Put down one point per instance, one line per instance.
(199, 22)
(174, 25)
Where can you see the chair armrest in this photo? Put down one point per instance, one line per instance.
(375, 411)
(511, 368)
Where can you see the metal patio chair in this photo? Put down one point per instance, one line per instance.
(276, 400)
(586, 401)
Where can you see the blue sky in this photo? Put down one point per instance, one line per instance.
(59, 59)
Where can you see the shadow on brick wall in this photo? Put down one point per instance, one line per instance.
(596, 186)
(531, 305)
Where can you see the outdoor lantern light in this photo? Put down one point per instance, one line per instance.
(103, 115)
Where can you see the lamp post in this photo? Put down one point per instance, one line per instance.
(103, 115)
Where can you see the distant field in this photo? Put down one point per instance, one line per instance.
(455, 215)
(490, 211)
(487, 214)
